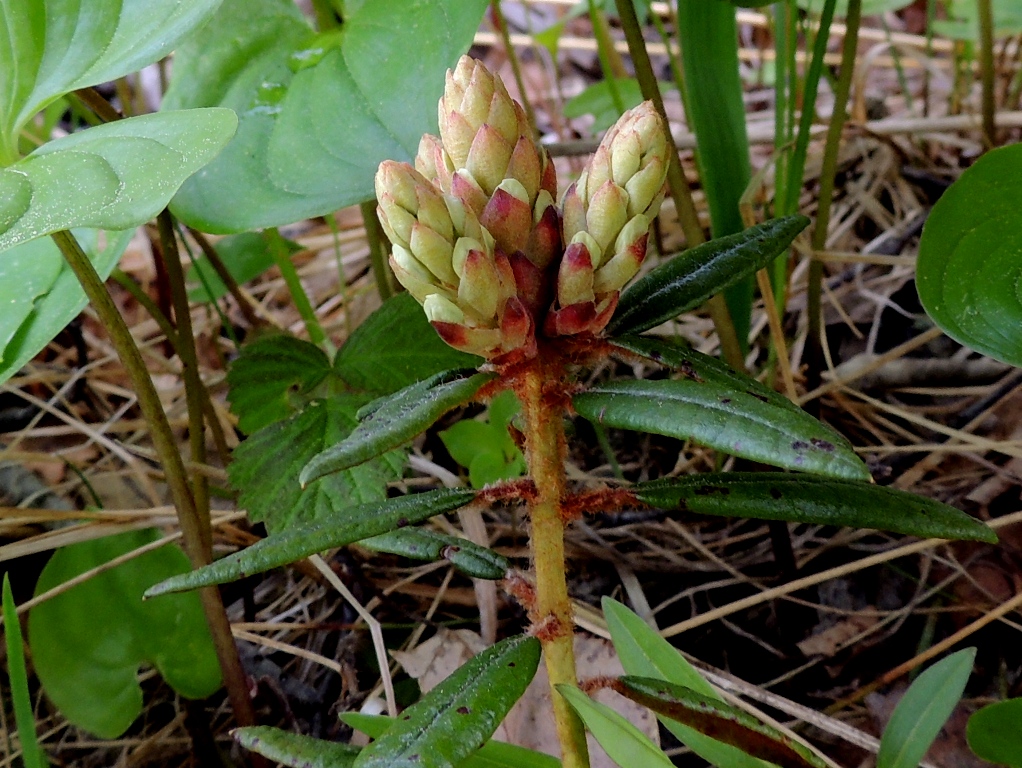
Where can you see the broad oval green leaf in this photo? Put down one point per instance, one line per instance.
(815, 500)
(457, 717)
(423, 544)
(53, 47)
(266, 466)
(643, 652)
(88, 642)
(318, 112)
(869, 7)
(25, 329)
(294, 749)
(994, 734)
(969, 273)
(685, 281)
(493, 754)
(269, 374)
(395, 347)
(393, 420)
(923, 710)
(625, 744)
(747, 394)
(114, 176)
(712, 717)
(297, 542)
(716, 414)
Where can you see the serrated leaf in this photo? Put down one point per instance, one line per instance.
(712, 717)
(625, 744)
(294, 749)
(113, 176)
(737, 421)
(246, 256)
(457, 717)
(493, 754)
(52, 47)
(923, 710)
(268, 377)
(749, 396)
(60, 303)
(994, 734)
(968, 274)
(643, 652)
(423, 544)
(318, 112)
(814, 500)
(88, 642)
(297, 542)
(687, 280)
(395, 347)
(266, 466)
(393, 420)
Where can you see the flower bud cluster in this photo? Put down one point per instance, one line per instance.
(479, 241)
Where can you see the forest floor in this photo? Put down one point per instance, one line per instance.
(806, 628)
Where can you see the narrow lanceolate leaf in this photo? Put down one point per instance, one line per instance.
(713, 717)
(643, 652)
(31, 754)
(351, 525)
(294, 749)
(816, 500)
(457, 717)
(735, 421)
(923, 710)
(393, 420)
(114, 176)
(623, 742)
(686, 281)
(423, 544)
(718, 379)
(493, 754)
(268, 376)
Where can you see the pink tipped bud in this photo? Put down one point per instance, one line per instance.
(479, 289)
(575, 276)
(508, 216)
(628, 255)
(545, 239)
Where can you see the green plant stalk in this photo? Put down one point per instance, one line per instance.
(189, 368)
(294, 286)
(826, 196)
(716, 113)
(545, 450)
(31, 752)
(604, 49)
(170, 333)
(173, 467)
(730, 345)
(512, 57)
(986, 66)
(377, 251)
(785, 77)
(244, 302)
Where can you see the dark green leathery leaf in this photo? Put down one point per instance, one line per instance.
(457, 717)
(346, 527)
(687, 280)
(714, 718)
(738, 421)
(719, 377)
(493, 754)
(294, 749)
(424, 544)
(816, 500)
(394, 419)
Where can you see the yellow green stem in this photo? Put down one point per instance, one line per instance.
(545, 453)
